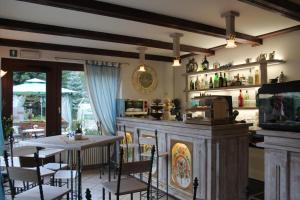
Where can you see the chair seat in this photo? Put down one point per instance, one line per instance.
(65, 174)
(127, 186)
(44, 171)
(50, 193)
(55, 166)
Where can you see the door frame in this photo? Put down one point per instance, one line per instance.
(53, 72)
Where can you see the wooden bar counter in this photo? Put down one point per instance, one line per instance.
(217, 155)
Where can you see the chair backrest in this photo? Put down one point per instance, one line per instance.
(23, 151)
(23, 174)
(144, 139)
(135, 168)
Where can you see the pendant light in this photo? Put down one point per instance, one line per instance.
(230, 28)
(2, 73)
(142, 67)
(176, 48)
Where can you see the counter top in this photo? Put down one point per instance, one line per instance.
(281, 134)
(181, 124)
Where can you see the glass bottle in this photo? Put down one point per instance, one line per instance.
(250, 78)
(205, 64)
(202, 84)
(216, 80)
(197, 84)
(256, 77)
(225, 80)
(221, 80)
(192, 85)
(211, 83)
(206, 85)
(246, 98)
(241, 99)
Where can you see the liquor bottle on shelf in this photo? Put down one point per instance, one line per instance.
(197, 84)
(250, 78)
(202, 84)
(192, 85)
(205, 64)
(256, 78)
(211, 83)
(246, 99)
(225, 80)
(206, 84)
(241, 99)
(221, 80)
(216, 80)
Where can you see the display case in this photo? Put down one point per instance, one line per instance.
(211, 110)
(279, 106)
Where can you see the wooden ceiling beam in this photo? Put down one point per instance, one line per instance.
(284, 7)
(94, 35)
(77, 49)
(127, 13)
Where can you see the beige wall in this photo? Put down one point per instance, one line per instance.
(164, 72)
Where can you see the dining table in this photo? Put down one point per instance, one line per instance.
(70, 144)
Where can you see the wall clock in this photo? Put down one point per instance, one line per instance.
(145, 82)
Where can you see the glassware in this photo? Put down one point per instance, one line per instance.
(250, 78)
(216, 80)
(241, 99)
(256, 77)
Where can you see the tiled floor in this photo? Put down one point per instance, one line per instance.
(92, 181)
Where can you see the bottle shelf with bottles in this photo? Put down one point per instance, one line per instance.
(234, 67)
(239, 81)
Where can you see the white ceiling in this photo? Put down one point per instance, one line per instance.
(253, 21)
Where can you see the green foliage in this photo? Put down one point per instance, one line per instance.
(21, 77)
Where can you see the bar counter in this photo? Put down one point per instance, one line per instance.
(216, 155)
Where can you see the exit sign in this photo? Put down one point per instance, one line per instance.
(13, 53)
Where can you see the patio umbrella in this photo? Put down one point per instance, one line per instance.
(35, 87)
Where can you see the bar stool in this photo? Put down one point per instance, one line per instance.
(146, 141)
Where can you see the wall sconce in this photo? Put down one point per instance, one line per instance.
(142, 50)
(176, 48)
(230, 28)
(2, 73)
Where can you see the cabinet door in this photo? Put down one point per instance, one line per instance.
(295, 176)
(275, 174)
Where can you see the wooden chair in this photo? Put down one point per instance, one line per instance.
(130, 184)
(42, 192)
(147, 140)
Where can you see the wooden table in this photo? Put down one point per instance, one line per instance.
(63, 142)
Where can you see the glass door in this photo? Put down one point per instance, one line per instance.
(29, 104)
(30, 96)
(76, 111)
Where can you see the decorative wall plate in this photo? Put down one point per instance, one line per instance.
(145, 82)
(181, 166)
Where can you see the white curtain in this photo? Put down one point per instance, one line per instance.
(103, 83)
(66, 109)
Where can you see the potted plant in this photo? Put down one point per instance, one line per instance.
(7, 123)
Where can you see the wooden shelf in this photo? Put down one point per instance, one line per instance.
(234, 67)
(245, 108)
(197, 109)
(226, 88)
